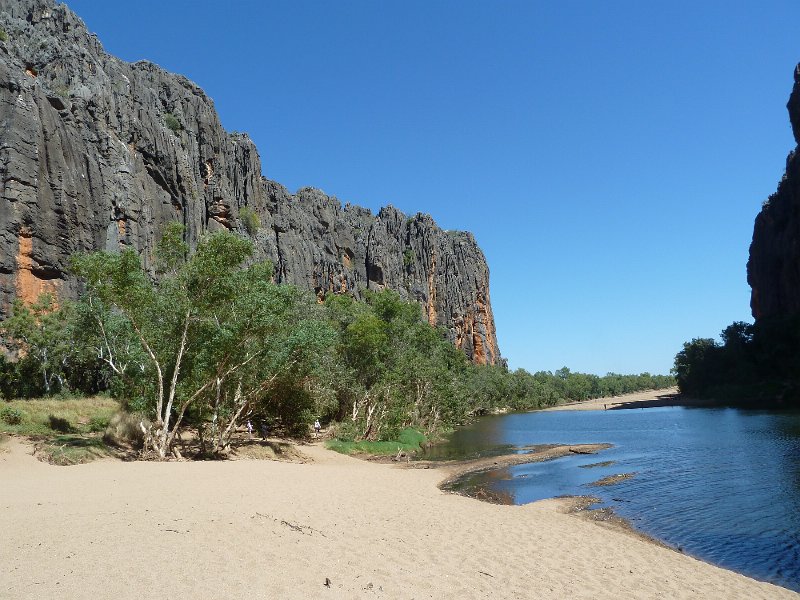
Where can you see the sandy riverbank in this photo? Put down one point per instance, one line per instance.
(647, 399)
(266, 529)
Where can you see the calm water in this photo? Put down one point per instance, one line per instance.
(722, 484)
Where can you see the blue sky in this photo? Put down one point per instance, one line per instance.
(609, 157)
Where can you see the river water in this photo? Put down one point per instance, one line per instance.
(721, 484)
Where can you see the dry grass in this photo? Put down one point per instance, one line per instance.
(71, 450)
(269, 450)
(48, 416)
(66, 431)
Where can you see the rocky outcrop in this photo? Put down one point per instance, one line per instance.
(773, 270)
(97, 153)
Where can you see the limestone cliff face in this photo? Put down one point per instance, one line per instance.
(773, 270)
(97, 153)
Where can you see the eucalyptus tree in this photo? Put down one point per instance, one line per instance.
(214, 336)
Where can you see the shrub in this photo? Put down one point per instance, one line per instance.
(412, 438)
(173, 123)
(62, 90)
(3, 36)
(9, 379)
(250, 220)
(123, 430)
(409, 440)
(97, 424)
(408, 257)
(11, 416)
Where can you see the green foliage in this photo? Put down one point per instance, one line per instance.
(173, 123)
(210, 342)
(11, 416)
(412, 438)
(398, 372)
(409, 440)
(44, 417)
(3, 36)
(250, 220)
(753, 363)
(697, 364)
(39, 335)
(408, 257)
(61, 89)
(171, 251)
(98, 424)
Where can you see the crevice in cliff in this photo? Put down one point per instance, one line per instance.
(367, 262)
(280, 268)
(19, 181)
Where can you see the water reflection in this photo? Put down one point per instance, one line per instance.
(723, 484)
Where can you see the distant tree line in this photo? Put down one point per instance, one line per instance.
(212, 342)
(753, 363)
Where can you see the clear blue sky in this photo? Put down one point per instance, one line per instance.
(609, 157)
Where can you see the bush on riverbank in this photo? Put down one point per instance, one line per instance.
(213, 343)
(410, 440)
(752, 364)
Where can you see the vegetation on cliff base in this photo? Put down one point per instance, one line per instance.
(250, 220)
(211, 343)
(207, 341)
(753, 363)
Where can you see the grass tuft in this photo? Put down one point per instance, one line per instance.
(49, 416)
(71, 450)
(250, 220)
(173, 123)
(409, 440)
(63, 427)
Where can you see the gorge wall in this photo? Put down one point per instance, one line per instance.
(97, 153)
(773, 270)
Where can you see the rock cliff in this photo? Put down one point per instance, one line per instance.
(773, 270)
(97, 153)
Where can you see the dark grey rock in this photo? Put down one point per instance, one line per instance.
(773, 270)
(97, 153)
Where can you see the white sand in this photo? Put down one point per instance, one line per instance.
(666, 397)
(261, 529)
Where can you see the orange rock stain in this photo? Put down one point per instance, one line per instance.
(432, 315)
(28, 285)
